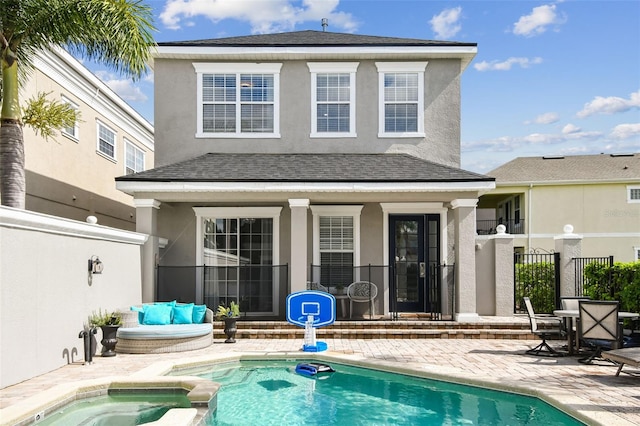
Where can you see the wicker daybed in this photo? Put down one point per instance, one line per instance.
(136, 338)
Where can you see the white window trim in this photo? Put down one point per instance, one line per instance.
(401, 67)
(353, 211)
(629, 188)
(273, 213)
(238, 68)
(76, 126)
(337, 68)
(128, 143)
(115, 142)
(636, 253)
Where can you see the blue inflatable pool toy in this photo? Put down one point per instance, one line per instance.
(312, 368)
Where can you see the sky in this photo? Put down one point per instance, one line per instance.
(550, 77)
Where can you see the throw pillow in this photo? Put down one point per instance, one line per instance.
(198, 313)
(157, 314)
(183, 314)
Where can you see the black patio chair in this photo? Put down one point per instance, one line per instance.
(551, 327)
(598, 327)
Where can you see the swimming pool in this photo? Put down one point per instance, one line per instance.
(272, 393)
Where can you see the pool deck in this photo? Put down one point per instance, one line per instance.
(593, 391)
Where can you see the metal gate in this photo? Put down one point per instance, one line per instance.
(536, 276)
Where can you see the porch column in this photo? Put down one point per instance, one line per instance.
(299, 261)
(146, 223)
(503, 272)
(464, 211)
(569, 245)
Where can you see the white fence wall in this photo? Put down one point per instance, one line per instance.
(47, 293)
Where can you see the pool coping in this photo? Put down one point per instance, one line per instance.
(565, 400)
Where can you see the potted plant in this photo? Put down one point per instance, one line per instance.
(109, 323)
(229, 314)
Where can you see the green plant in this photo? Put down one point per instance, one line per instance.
(100, 318)
(536, 281)
(231, 311)
(623, 284)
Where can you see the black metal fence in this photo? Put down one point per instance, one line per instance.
(336, 279)
(537, 276)
(582, 279)
(488, 227)
(441, 292)
(253, 287)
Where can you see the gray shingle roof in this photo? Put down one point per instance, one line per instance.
(312, 38)
(305, 168)
(601, 167)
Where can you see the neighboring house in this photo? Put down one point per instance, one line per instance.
(72, 174)
(306, 159)
(599, 195)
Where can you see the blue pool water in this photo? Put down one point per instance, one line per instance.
(126, 408)
(272, 393)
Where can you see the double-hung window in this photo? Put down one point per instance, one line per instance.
(72, 131)
(238, 100)
(633, 194)
(106, 141)
(333, 99)
(401, 103)
(336, 244)
(134, 158)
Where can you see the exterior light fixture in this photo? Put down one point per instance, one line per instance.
(95, 265)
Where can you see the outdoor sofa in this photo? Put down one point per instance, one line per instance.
(163, 327)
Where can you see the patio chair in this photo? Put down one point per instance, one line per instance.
(362, 292)
(571, 303)
(598, 327)
(551, 326)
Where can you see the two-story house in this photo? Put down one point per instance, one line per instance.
(309, 159)
(599, 195)
(72, 175)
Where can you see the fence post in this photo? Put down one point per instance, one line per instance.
(568, 245)
(503, 267)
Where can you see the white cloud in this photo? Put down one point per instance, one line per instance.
(626, 131)
(610, 105)
(506, 65)
(513, 143)
(570, 128)
(446, 24)
(547, 118)
(125, 88)
(538, 21)
(263, 16)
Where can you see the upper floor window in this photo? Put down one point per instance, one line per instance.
(134, 159)
(106, 141)
(401, 103)
(238, 100)
(633, 194)
(72, 131)
(333, 95)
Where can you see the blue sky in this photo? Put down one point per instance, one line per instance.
(550, 78)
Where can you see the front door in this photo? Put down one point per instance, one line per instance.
(415, 254)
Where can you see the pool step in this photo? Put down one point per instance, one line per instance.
(381, 329)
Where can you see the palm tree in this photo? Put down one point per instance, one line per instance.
(117, 33)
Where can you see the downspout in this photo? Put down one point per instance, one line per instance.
(529, 208)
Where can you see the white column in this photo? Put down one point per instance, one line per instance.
(464, 240)
(569, 245)
(299, 261)
(503, 272)
(147, 223)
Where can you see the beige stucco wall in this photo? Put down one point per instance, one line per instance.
(46, 295)
(176, 103)
(68, 177)
(599, 213)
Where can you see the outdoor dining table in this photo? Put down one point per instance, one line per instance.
(573, 344)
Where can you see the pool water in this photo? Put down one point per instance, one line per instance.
(272, 393)
(118, 408)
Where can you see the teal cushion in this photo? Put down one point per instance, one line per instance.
(172, 304)
(140, 311)
(157, 314)
(183, 314)
(198, 313)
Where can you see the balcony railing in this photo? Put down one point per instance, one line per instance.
(488, 227)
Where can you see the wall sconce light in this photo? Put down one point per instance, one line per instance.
(95, 265)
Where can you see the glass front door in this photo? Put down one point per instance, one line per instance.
(414, 251)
